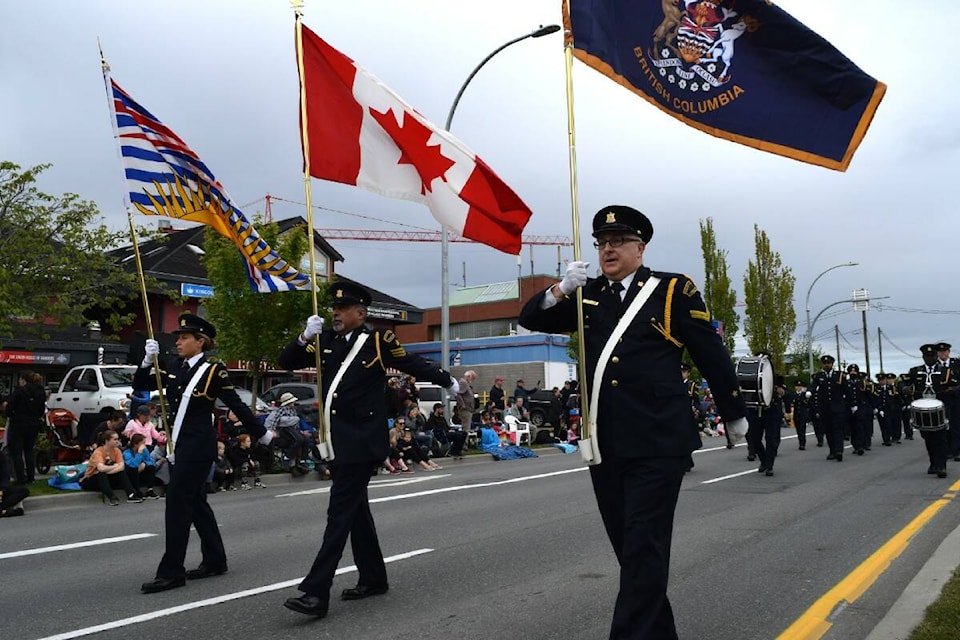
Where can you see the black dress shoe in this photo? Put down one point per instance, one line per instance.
(803, 447)
(308, 605)
(941, 473)
(839, 457)
(859, 452)
(819, 444)
(931, 470)
(162, 584)
(751, 458)
(362, 591)
(769, 472)
(762, 469)
(832, 456)
(203, 571)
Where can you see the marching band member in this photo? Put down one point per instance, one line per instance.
(928, 378)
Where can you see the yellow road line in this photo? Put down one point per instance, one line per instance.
(815, 621)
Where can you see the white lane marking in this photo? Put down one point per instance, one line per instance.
(153, 615)
(732, 475)
(74, 545)
(482, 485)
(374, 484)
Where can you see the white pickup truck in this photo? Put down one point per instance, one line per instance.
(89, 391)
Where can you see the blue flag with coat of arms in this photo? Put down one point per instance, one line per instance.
(742, 70)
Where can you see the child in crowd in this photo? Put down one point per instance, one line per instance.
(139, 465)
(223, 470)
(242, 460)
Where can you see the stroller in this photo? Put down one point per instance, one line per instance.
(58, 444)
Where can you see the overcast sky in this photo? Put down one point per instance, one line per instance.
(222, 74)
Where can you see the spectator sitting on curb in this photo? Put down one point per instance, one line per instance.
(410, 450)
(244, 464)
(105, 471)
(139, 465)
(223, 471)
(418, 423)
(285, 421)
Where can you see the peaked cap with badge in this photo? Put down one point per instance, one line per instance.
(943, 346)
(191, 323)
(928, 348)
(618, 218)
(827, 358)
(349, 293)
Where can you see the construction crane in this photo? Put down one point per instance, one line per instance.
(424, 235)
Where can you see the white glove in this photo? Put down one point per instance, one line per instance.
(454, 387)
(576, 277)
(853, 409)
(874, 412)
(881, 414)
(807, 395)
(737, 430)
(152, 350)
(313, 328)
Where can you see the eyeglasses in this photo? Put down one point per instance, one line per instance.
(615, 242)
(401, 423)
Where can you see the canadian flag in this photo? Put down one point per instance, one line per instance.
(362, 133)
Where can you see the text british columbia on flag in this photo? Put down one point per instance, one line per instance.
(166, 178)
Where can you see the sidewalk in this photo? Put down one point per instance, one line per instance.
(908, 611)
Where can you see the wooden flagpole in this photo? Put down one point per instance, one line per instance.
(325, 447)
(136, 252)
(589, 452)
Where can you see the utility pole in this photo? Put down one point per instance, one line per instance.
(880, 347)
(836, 336)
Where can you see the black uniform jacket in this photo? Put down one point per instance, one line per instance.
(197, 440)
(644, 405)
(358, 419)
(829, 392)
(940, 380)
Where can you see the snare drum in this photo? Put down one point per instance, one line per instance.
(755, 377)
(928, 414)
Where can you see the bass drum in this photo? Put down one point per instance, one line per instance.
(755, 378)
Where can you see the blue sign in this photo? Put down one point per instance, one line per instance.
(196, 290)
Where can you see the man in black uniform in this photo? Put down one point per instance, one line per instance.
(930, 377)
(887, 402)
(860, 402)
(765, 424)
(830, 404)
(645, 430)
(951, 399)
(202, 381)
(354, 361)
(802, 410)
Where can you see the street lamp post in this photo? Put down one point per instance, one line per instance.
(807, 305)
(444, 235)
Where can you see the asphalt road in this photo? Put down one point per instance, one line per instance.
(503, 550)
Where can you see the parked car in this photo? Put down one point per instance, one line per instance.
(307, 405)
(544, 409)
(431, 394)
(92, 391)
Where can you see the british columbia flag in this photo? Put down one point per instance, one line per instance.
(166, 178)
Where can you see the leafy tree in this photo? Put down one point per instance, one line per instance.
(253, 327)
(718, 293)
(54, 263)
(768, 288)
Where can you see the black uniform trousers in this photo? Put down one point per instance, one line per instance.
(637, 498)
(348, 514)
(764, 431)
(953, 435)
(905, 421)
(834, 423)
(861, 428)
(817, 428)
(890, 425)
(937, 447)
(187, 504)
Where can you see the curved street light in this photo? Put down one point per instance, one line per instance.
(807, 306)
(444, 235)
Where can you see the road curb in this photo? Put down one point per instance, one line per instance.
(909, 609)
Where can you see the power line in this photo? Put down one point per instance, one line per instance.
(892, 344)
(883, 307)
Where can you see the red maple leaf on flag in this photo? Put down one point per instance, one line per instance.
(411, 138)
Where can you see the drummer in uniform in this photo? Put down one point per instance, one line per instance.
(860, 401)
(887, 403)
(764, 427)
(830, 405)
(929, 374)
(951, 398)
(905, 390)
